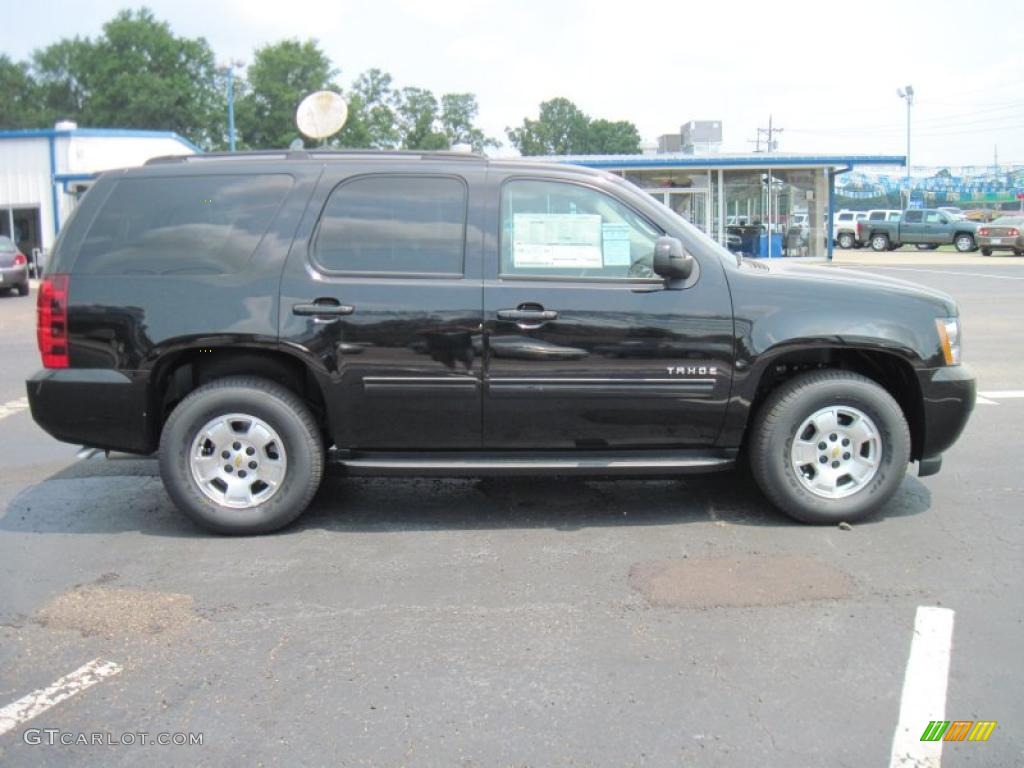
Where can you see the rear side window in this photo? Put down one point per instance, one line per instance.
(912, 217)
(392, 224)
(181, 225)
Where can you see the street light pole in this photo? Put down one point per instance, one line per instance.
(230, 68)
(907, 93)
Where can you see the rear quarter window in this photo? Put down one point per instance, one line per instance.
(208, 224)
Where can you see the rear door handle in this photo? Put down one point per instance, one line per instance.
(323, 307)
(528, 315)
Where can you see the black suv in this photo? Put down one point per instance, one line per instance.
(252, 316)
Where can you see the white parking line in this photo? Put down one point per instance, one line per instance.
(37, 702)
(1003, 394)
(13, 406)
(938, 271)
(924, 689)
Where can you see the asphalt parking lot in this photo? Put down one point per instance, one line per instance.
(522, 622)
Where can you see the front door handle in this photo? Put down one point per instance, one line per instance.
(328, 307)
(528, 315)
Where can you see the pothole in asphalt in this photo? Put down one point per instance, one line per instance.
(737, 581)
(97, 610)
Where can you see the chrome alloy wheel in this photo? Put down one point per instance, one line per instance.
(836, 451)
(238, 461)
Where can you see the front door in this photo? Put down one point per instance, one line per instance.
(586, 348)
(382, 293)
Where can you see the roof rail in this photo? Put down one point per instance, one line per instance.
(317, 154)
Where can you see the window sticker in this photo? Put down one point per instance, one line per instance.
(615, 242)
(556, 241)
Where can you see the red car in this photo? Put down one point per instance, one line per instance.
(13, 267)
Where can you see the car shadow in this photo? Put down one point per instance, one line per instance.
(101, 496)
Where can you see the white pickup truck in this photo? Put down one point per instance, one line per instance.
(844, 228)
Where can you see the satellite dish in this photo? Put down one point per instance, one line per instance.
(321, 114)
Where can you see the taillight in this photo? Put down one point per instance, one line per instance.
(52, 321)
(19, 259)
(1013, 232)
(983, 231)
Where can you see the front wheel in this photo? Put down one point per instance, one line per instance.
(829, 446)
(964, 243)
(241, 455)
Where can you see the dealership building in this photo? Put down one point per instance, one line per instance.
(759, 204)
(44, 171)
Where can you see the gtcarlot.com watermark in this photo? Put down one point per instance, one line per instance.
(55, 737)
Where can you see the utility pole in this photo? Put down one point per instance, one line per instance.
(771, 144)
(908, 94)
(230, 70)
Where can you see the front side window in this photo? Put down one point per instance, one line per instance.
(203, 224)
(389, 224)
(558, 229)
(934, 217)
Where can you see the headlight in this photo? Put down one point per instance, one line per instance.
(949, 338)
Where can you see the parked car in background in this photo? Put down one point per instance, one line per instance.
(884, 214)
(13, 267)
(1004, 234)
(952, 212)
(844, 228)
(928, 227)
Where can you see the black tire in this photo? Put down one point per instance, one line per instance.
(278, 407)
(963, 242)
(986, 251)
(1018, 253)
(846, 240)
(879, 243)
(23, 289)
(786, 409)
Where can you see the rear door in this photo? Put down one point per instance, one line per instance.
(382, 293)
(586, 348)
(911, 227)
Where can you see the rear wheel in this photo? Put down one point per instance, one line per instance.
(23, 289)
(241, 455)
(879, 243)
(829, 446)
(986, 251)
(963, 243)
(846, 240)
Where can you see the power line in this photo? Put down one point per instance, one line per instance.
(771, 144)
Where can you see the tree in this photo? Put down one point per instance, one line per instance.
(605, 137)
(458, 114)
(417, 115)
(136, 74)
(563, 129)
(19, 107)
(281, 75)
(371, 120)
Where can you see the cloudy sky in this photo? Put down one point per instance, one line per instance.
(828, 78)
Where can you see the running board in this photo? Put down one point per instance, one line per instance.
(468, 464)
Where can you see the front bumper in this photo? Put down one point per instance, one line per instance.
(11, 276)
(95, 407)
(948, 396)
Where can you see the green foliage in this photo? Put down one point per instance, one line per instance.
(19, 106)
(280, 76)
(563, 129)
(136, 74)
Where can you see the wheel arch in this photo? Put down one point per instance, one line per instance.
(184, 370)
(890, 370)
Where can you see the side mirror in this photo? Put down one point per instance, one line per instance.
(671, 260)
